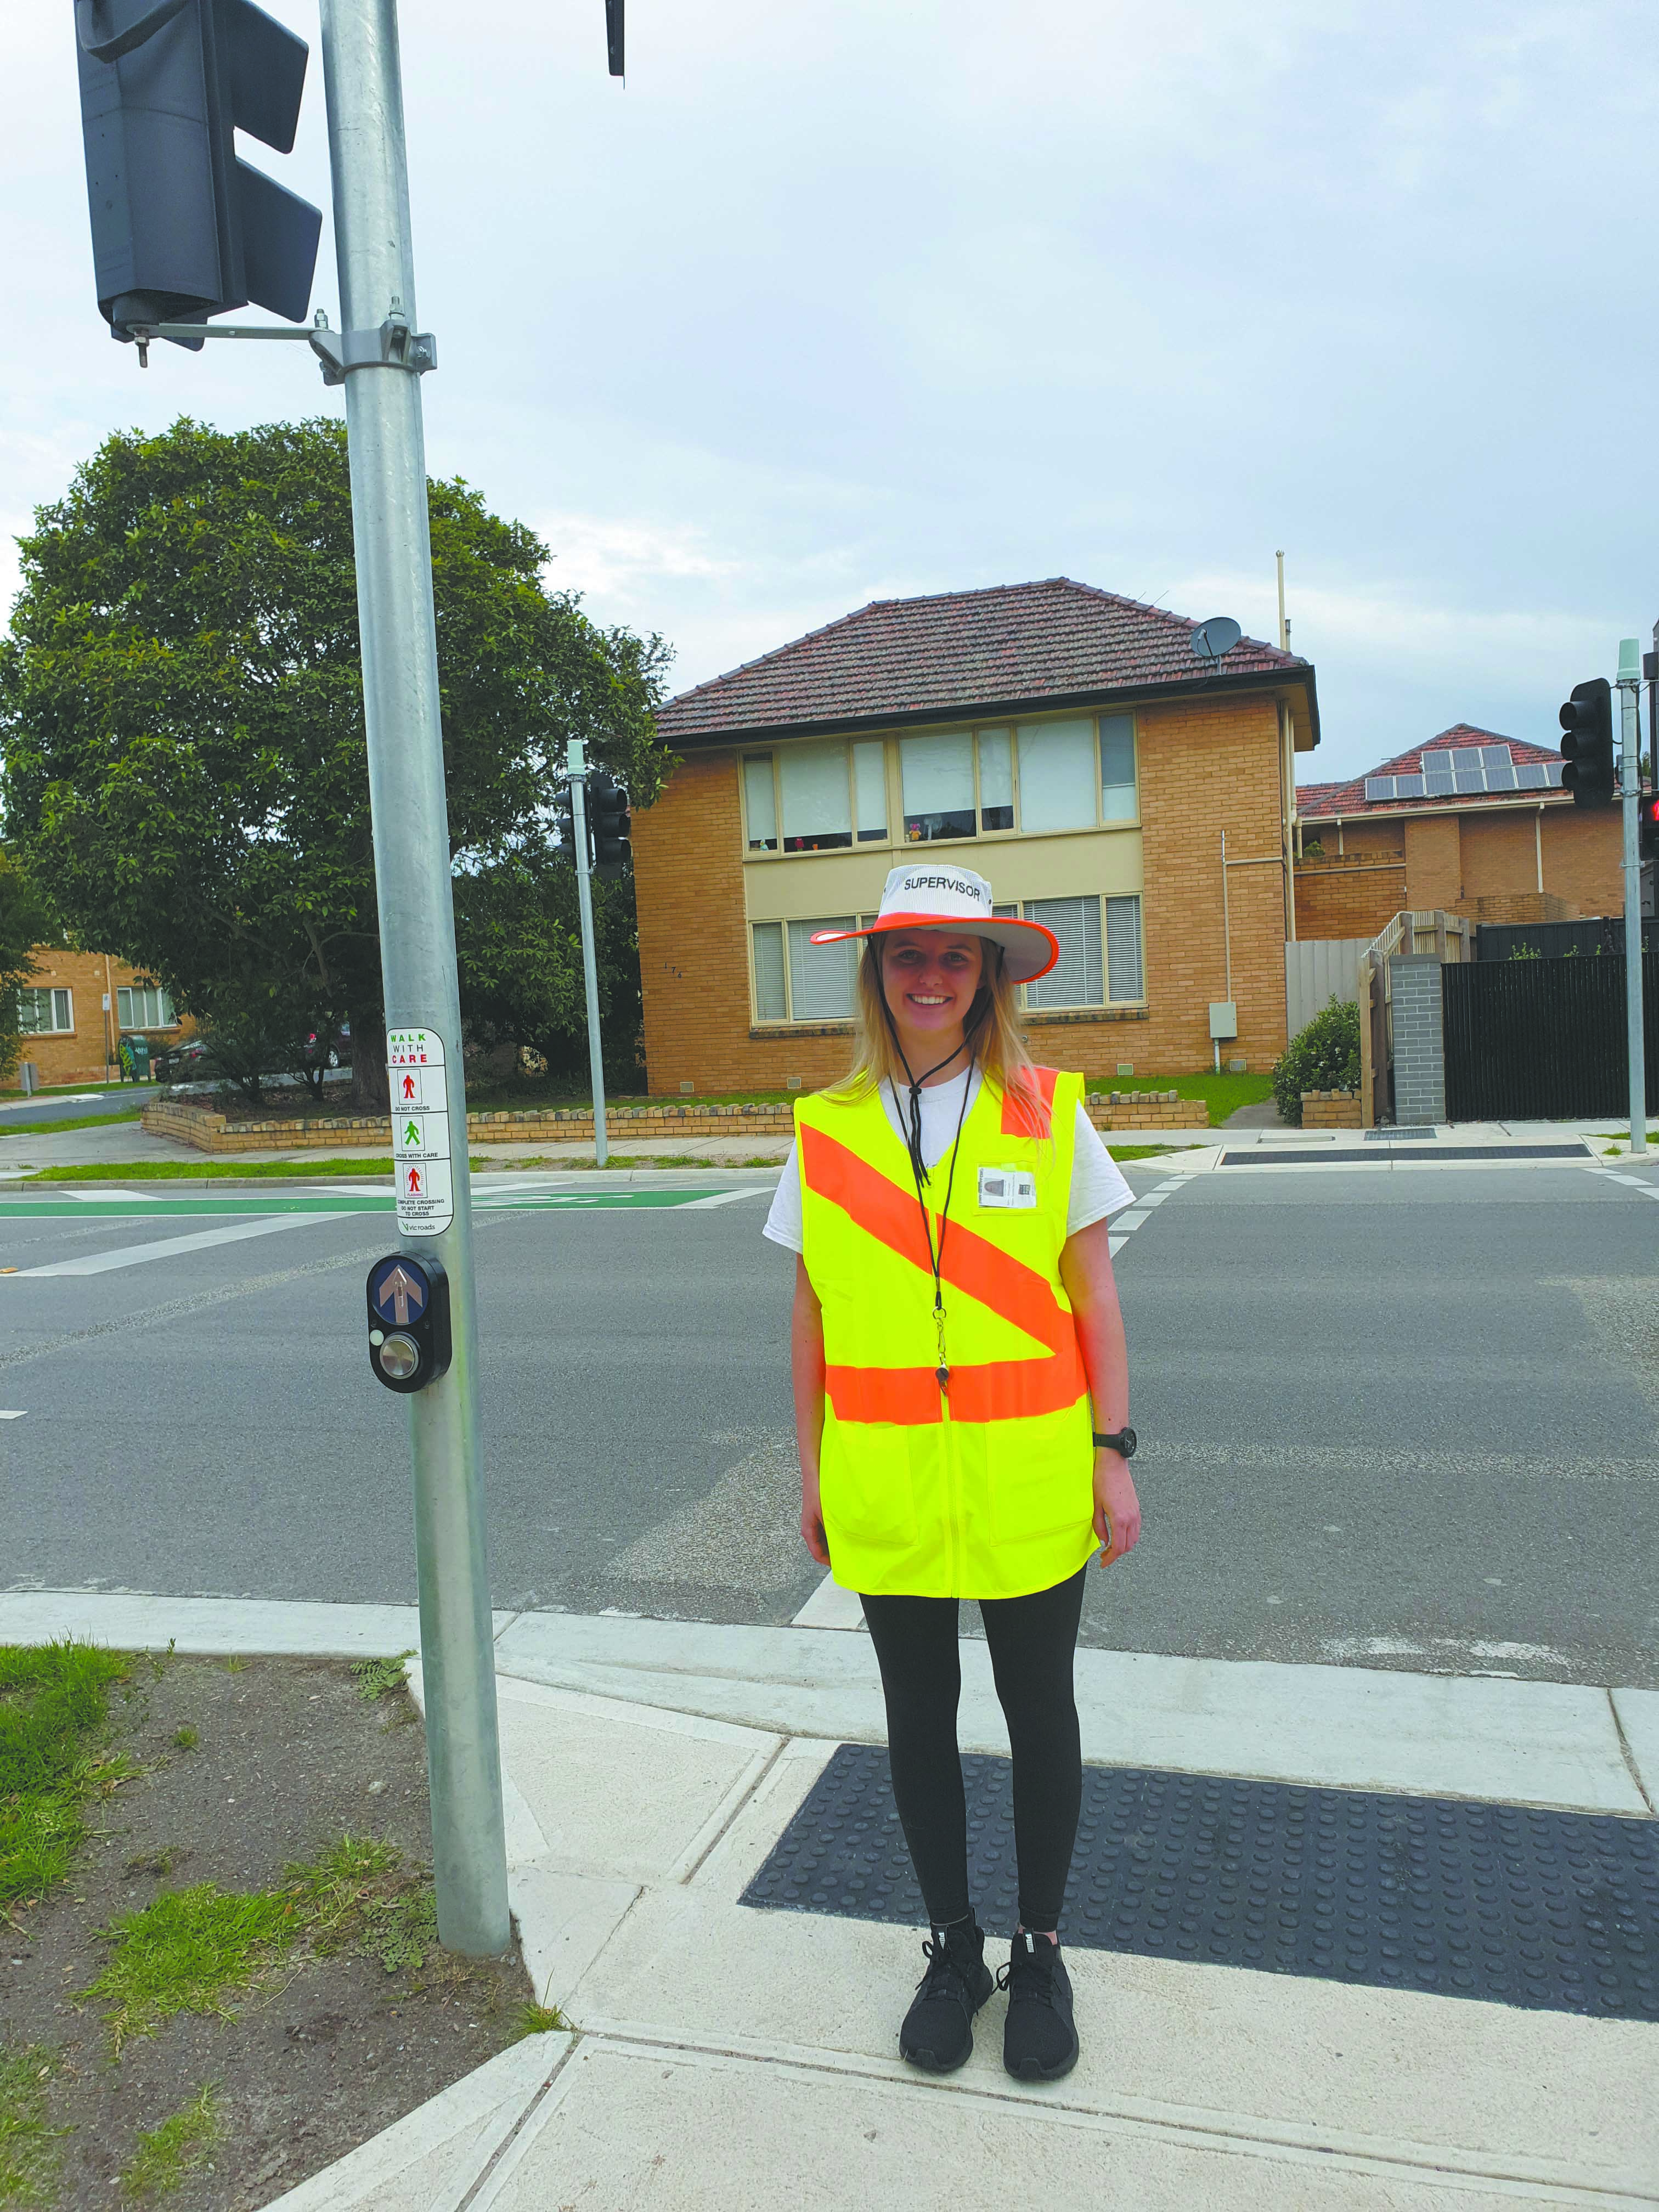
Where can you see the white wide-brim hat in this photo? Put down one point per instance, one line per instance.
(923, 895)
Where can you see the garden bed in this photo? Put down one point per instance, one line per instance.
(218, 1968)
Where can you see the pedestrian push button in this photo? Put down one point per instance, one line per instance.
(409, 1343)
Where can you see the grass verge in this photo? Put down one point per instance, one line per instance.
(197, 1171)
(52, 1706)
(170, 2153)
(1141, 1152)
(77, 1121)
(28, 2148)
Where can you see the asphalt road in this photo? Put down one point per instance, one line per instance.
(1389, 1417)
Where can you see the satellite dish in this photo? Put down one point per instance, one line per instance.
(1214, 638)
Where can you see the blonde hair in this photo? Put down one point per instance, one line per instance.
(995, 1037)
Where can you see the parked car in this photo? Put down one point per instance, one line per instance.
(334, 1048)
(180, 1063)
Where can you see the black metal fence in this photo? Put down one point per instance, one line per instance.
(1543, 1040)
(1554, 940)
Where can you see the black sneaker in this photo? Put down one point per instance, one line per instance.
(1039, 2041)
(938, 2032)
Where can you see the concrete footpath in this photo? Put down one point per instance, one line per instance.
(723, 2056)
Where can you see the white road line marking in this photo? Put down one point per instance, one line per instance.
(830, 1606)
(1114, 1245)
(718, 1198)
(13, 1417)
(1125, 1222)
(168, 1247)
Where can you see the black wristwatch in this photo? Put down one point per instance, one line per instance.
(1122, 1441)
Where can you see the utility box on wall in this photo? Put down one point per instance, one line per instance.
(1223, 1020)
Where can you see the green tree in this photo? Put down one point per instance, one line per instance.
(519, 935)
(24, 924)
(182, 727)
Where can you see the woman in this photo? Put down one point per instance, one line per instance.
(961, 1395)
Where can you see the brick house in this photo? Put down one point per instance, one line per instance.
(1471, 822)
(77, 1007)
(1066, 743)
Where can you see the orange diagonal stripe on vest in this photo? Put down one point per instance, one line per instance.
(998, 1389)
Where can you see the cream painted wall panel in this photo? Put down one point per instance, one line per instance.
(799, 887)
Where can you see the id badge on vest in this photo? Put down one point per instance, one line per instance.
(1012, 1188)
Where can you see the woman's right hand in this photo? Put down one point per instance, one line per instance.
(811, 1519)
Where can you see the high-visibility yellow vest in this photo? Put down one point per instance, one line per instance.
(984, 1486)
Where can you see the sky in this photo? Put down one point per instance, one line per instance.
(847, 299)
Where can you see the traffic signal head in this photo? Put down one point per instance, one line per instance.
(1647, 826)
(1587, 746)
(409, 1342)
(613, 36)
(181, 229)
(607, 816)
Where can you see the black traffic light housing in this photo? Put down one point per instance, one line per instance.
(607, 820)
(1647, 828)
(409, 1341)
(1587, 747)
(181, 229)
(564, 813)
(613, 36)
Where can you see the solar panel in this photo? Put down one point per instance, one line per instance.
(1408, 787)
(1495, 756)
(1379, 787)
(1436, 778)
(1532, 775)
(1470, 778)
(1465, 758)
(1500, 778)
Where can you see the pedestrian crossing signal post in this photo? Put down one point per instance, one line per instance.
(575, 762)
(182, 231)
(1630, 778)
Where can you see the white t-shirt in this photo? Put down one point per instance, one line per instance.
(1098, 1185)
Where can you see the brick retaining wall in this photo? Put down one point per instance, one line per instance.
(210, 1131)
(1330, 1110)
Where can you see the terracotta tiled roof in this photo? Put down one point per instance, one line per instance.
(1349, 798)
(1012, 644)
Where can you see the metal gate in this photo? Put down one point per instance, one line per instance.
(1317, 971)
(1543, 1040)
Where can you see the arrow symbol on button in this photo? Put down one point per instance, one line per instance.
(404, 1292)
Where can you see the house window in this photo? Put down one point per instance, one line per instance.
(759, 803)
(40, 1012)
(1057, 776)
(1119, 801)
(1126, 976)
(1081, 976)
(956, 783)
(796, 980)
(1075, 978)
(820, 797)
(823, 796)
(144, 1006)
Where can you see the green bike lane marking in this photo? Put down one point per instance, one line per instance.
(340, 1202)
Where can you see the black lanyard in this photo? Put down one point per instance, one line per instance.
(918, 1173)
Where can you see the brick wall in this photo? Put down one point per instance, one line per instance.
(1204, 765)
(1419, 1052)
(1330, 1110)
(1434, 861)
(1583, 848)
(77, 1055)
(1354, 895)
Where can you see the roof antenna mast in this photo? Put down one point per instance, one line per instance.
(1283, 626)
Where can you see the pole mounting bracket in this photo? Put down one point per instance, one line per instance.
(393, 345)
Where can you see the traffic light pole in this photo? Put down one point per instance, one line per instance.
(1630, 774)
(390, 528)
(575, 762)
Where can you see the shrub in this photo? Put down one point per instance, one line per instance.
(1324, 1056)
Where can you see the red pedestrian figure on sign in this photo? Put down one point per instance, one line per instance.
(413, 1183)
(409, 1086)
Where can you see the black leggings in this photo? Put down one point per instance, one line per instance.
(1032, 1641)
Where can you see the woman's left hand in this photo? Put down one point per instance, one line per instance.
(1117, 1509)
